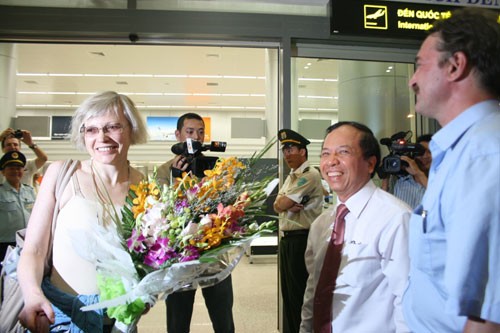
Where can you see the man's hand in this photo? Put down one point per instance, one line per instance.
(415, 171)
(180, 162)
(6, 133)
(478, 325)
(27, 139)
(296, 208)
(283, 203)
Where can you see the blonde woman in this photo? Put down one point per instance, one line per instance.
(105, 125)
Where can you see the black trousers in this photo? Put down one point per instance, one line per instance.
(293, 279)
(218, 300)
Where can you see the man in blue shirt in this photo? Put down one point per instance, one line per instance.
(455, 233)
(16, 200)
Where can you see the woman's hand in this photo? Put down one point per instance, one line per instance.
(37, 315)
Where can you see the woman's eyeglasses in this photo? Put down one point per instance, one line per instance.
(109, 128)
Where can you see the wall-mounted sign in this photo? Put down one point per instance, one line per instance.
(61, 127)
(389, 19)
(492, 4)
(163, 128)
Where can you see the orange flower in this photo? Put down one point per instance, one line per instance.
(142, 191)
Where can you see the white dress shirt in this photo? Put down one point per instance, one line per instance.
(374, 268)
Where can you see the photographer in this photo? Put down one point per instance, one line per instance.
(410, 185)
(11, 141)
(189, 125)
(218, 298)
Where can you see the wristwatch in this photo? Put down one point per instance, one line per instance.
(33, 146)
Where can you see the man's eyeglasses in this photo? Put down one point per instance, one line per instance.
(109, 128)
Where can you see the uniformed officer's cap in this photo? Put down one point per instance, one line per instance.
(289, 138)
(12, 158)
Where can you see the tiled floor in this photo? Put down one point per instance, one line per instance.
(255, 309)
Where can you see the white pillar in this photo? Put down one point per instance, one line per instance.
(8, 67)
(271, 114)
(374, 95)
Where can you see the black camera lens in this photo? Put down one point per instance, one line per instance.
(18, 134)
(392, 164)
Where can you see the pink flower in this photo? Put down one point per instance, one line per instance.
(136, 242)
(159, 253)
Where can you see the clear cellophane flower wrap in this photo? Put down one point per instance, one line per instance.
(187, 235)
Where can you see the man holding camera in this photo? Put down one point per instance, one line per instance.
(299, 202)
(410, 185)
(218, 298)
(11, 141)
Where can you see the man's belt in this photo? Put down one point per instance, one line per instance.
(290, 233)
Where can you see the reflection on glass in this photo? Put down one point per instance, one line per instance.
(374, 93)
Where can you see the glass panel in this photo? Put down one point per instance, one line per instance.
(110, 4)
(374, 93)
(287, 7)
(228, 85)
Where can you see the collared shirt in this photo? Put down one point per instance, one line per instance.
(408, 190)
(302, 181)
(455, 234)
(374, 268)
(15, 210)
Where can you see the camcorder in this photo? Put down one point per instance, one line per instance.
(399, 145)
(192, 151)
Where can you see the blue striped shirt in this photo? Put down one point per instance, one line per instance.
(408, 190)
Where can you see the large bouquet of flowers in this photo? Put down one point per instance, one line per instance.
(189, 234)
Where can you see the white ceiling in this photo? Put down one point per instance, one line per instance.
(160, 77)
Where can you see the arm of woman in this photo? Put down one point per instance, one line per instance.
(37, 311)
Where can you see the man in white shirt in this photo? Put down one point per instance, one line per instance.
(11, 141)
(374, 262)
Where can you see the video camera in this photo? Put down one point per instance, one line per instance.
(192, 151)
(399, 145)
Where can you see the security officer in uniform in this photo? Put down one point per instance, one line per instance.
(299, 202)
(16, 199)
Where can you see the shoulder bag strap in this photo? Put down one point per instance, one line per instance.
(65, 174)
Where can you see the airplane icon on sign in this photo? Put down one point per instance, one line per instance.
(376, 15)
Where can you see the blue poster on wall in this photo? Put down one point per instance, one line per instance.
(162, 128)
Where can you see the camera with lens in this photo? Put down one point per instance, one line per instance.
(192, 151)
(18, 134)
(399, 145)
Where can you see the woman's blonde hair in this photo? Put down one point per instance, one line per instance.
(103, 103)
